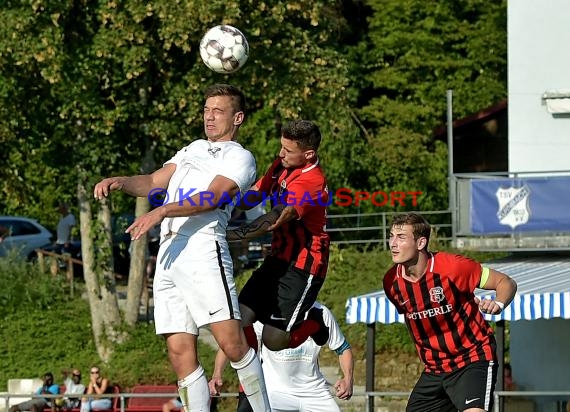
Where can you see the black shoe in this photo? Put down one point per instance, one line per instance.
(243, 404)
(321, 336)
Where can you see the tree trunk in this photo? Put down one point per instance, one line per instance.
(139, 252)
(137, 270)
(99, 276)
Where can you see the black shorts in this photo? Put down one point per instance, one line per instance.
(280, 294)
(470, 387)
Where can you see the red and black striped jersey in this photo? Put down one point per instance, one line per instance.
(304, 241)
(444, 320)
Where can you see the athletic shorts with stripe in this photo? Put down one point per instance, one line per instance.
(469, 387)
(280, 294)
(193, 284)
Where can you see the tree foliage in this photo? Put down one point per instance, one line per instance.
(93, 84)
(89, 88)
(411, 54)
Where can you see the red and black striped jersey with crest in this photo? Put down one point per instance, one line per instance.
(303, 241)
(444, 320)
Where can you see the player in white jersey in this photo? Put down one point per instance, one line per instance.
(293, 377)
(193, 284)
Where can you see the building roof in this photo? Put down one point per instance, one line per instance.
(543, 293)
(481, 116)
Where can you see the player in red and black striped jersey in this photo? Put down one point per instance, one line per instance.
(281, 292)
(435, 292)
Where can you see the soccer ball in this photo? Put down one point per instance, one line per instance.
(224, 49)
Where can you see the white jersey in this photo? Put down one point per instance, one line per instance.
(64, 229)
(193, 284)
(296, 371)
(196, 166)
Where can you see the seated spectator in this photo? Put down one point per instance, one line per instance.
(508, 382)
(38, 404)
(172, 404)
(73, 386)
(98, 385)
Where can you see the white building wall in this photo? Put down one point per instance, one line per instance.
(538, 60)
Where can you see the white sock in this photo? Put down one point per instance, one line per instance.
(251, 378)
(194, 391)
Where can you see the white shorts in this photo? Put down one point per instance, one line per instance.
(193, 284)
(290, 402)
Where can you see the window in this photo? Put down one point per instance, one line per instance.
(19, 228)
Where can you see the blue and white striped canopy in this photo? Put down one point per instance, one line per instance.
(543, 293)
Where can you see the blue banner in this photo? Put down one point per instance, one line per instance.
(520, 205)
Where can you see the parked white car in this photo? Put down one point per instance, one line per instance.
(23, 236)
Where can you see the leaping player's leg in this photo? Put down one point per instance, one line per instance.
(214, 302)
(248, 318)
(174, 320)
(258, 296)
(192, 382)
(292, 319)
(244, 360)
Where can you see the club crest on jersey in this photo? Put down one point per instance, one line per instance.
(513, 205)
(436, 294)
(214, 151)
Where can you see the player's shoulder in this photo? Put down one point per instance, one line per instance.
(390, 276)
(314, 171)
(445, 262)
(451, 258)
(195, 145)
(189, 148)
(237, 150)
(311, 175)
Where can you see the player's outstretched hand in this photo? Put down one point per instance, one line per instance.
(489, 306)
(146, 222)
(105, 186)
(215, 385)
(343, 389)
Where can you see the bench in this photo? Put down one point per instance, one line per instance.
(150, 404)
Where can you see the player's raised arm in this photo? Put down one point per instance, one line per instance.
(250, 199)
(138, 185)
(220, 187)
(258, 227)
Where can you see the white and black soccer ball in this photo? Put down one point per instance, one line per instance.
(224, 49)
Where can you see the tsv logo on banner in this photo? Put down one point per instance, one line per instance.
(514, 207)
